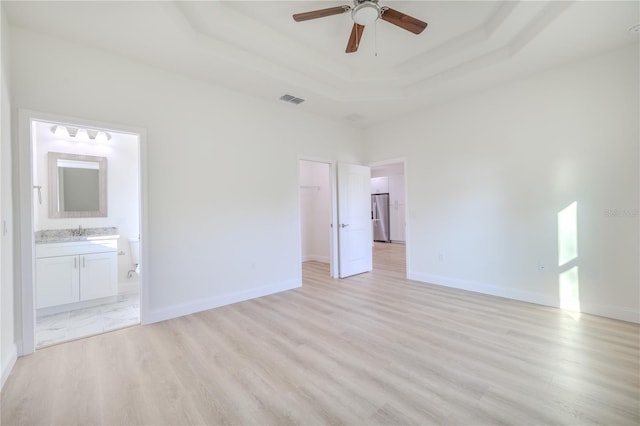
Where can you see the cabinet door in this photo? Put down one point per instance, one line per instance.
(396, 189)
(380, 185)
(57, 281)
(98, 275)
(397, 222)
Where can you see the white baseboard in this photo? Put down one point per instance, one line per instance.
(215, 302)
(613, 312)
(8, 364)
(525, 296)
(322, 259)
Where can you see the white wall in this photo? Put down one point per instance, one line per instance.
(387, 170)
(8, 349)
(315, 210)
(490, 173)
(222, 168)
(121, 153)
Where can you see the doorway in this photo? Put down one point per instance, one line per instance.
(316, 213)
(82, 264)
(390, 252)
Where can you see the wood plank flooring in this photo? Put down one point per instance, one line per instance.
(372, 349)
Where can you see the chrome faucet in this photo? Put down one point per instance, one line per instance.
(78, 232)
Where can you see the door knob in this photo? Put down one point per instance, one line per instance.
(344, 225)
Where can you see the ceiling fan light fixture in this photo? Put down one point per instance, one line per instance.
(365, 13)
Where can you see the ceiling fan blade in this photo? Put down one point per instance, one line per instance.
(321, 13)
(406, 22)
(354, 39)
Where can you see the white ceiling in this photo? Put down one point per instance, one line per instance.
(257, 48)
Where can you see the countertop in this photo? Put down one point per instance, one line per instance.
(69, 235)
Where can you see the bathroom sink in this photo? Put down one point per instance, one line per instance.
(76, 234)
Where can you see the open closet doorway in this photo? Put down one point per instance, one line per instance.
(316, 213)
(388, 214)
(86, 229)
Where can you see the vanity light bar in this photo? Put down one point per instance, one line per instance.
(81, 134)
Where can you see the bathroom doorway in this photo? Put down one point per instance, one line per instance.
(317, 240)
(84, 237)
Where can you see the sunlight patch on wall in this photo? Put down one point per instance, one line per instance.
(570, 289)
(568, 234)
(568, 280)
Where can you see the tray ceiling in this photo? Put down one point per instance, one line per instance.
(256, 47)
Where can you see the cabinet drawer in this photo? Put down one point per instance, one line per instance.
(75, 248)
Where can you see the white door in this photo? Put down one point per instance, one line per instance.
(355, 240)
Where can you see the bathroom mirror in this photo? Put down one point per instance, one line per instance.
(77, 185)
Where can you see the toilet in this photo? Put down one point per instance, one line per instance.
(134, 245)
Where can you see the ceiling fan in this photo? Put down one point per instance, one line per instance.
(363, 13)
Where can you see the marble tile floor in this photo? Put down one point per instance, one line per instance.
(65, 326)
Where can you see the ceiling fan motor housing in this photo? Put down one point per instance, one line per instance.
(365, 12)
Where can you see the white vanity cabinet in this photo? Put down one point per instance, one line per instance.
(75, 271)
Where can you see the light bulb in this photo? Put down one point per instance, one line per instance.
(101, 137)
(82, 134)
(366, 13)
(61, 131)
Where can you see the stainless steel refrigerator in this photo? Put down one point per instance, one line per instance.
(380, 217)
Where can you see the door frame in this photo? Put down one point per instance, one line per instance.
(407, 242)
(24, 216)
(333, 241)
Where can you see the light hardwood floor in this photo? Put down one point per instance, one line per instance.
(372, 349)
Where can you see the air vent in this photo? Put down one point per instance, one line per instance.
(291, 99)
